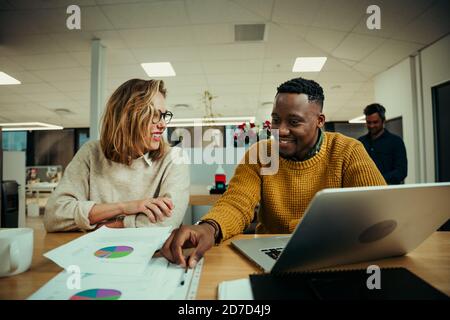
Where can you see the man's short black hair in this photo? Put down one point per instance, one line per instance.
(309, 87)
(375, 108)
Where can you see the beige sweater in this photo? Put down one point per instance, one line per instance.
(90, 178)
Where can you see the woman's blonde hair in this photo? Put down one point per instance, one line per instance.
(125, 133)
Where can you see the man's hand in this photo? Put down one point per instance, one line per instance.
(156, 209)
(200, 237)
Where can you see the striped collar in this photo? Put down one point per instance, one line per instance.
(314, 150)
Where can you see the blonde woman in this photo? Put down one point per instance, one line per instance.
(130, 178)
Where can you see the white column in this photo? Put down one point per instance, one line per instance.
(98, 52)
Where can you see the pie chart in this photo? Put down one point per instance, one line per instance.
(97, 294)
(113, 252)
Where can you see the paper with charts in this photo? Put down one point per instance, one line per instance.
(161, 280)
(111, 251)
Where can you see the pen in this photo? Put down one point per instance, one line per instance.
(183, 277)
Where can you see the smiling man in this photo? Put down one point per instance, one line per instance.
(309, 160)
(386, 149)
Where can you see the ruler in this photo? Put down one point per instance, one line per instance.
(195, 279)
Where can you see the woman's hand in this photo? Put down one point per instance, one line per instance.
(157, 209)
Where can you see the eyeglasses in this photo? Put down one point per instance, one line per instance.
(167, 116)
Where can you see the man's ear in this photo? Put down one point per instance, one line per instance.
(321, 121)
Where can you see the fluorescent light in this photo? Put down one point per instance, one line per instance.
(25, 126)
(360, 119)
(209, 122)
(158, 69)
(7, 79)
(308, 64)
(204, 124)
(242, 119)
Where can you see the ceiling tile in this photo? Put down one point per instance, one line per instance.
(19, 22)
(158, 37)
(391, 52)
(113, 57)
(342, 15)
(218, 11)
(111, 39)
(244, 78)
(25, 77)
(53, 19)
(43, 97)
(47, 4)
(285, 33)
(119, 56)
(193, 99)
(103, 2)
(278, 65)
(277, 78)
(6, 90)
(73, 41)
(182, 90)
(45, 61)
(66, 104)
(82, 57)
(233, 66)
(296, 11)
(333, 64)
(28, 45)
(233, 89)
(34, 88)
(268, 91)
(166, 54)
(128, 71)
(213, 33)
(236, 51)
(298, 48)
(325, 39)
(187, 68)
(142, 15)
(7, 65)
(356, 47)
(337, 76)
(341, 86)
(10, 98)
(93, 18)
(71, 86)
(63, 74)
(262, 8)
(195, 80)
(428, 27)
(79, 96)
(395, 15)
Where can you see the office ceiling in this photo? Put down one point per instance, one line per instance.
(197, 37)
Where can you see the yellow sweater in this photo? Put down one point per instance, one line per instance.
(284, 196)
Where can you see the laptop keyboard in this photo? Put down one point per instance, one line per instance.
(274, 253)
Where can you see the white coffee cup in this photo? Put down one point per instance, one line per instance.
(16, 251)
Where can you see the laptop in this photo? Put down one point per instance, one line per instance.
(349, 225)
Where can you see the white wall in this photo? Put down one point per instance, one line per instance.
(14, 169)
(405, 90)
(435, 67)
(393, 89)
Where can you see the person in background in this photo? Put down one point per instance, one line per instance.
(309, 160)
(386, 149)
(130, 178)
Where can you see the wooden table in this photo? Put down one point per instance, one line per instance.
(431, 261)
(199, 196)
(203, 199)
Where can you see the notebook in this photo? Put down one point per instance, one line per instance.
(239, 289)
(395, 283)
